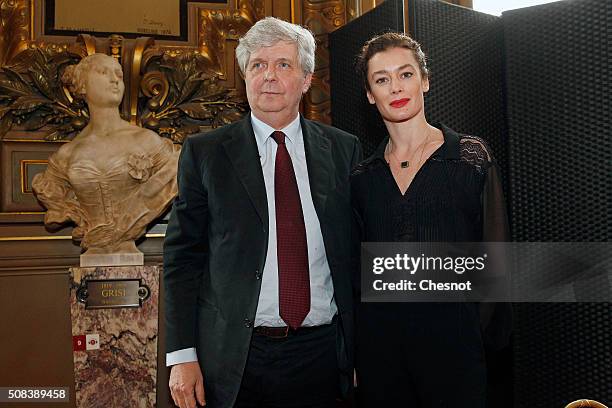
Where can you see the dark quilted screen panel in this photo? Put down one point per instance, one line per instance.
(464, 49)
(350, 108)
(536, 84)
(560, 133)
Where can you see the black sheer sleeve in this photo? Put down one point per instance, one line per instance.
(496, 318)
(494, 216)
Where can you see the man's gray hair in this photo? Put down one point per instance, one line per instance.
(269, 31)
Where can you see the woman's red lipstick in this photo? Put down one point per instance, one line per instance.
(398, 103)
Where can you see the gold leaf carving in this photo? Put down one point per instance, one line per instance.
(321, 17)
(14, 28)
(155, 86)
(182, 94)
(324, 17)
(32, 96)
(218, 26)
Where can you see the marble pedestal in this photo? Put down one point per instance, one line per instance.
(123, 371)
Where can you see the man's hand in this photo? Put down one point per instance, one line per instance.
(185, 381)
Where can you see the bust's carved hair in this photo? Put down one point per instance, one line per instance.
(74, 76)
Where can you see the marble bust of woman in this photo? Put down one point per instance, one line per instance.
(114, 178)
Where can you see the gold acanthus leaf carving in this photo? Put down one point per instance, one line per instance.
(14, 28)
(181, 94)
(32, 95)
(218, 26)
(260, 9)
(321, 17)
(324, 17)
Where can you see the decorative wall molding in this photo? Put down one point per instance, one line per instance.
(181, 94)
(173, 88)
(33, 96)
(217, 27)
(321, 17)
(15, 27)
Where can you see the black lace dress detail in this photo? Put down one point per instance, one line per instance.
(473, 150)
(455, 196)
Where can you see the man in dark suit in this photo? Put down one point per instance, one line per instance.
(258, 300)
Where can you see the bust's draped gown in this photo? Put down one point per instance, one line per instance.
(112, 203)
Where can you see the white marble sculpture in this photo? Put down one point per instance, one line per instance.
(114, 178)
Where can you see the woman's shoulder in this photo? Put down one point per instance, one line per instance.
(141, 134)
(464, 144)
(374, 162)
(367, 166)
(467, 148)
(475, 151)
(66, 152)
(146, 140)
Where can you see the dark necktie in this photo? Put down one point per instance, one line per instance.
(291, 247)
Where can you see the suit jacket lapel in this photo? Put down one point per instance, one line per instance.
(320, 164)
(241, 149)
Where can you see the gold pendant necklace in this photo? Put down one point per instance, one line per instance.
(405, 163)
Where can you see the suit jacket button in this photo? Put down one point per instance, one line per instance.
(257, 274)
(247, 323)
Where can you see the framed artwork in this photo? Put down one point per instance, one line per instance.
(160, 19)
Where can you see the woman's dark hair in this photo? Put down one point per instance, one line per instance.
(384, 42)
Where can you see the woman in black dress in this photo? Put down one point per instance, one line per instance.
(428, 184)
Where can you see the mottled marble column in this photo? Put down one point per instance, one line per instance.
(123, 372)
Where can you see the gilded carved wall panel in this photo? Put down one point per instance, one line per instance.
(182, 93)
(14, 28)
(172, 88)
(217, 31)
(31, 70)
(217, 27)
(321, 17)
(33, 96)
